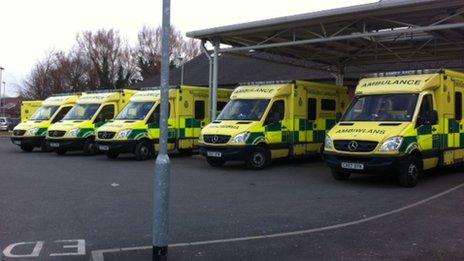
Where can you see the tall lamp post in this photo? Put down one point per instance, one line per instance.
(181, 63)
(162, 163)
(4, 99)
(1, 93)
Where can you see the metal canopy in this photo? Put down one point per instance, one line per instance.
(379, 33)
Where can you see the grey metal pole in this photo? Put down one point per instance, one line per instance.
(215, 80)
(162, 163)
(182, 72)
(1, 93)
(210, 87)
(4, 99)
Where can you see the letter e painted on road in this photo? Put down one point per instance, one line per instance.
(35, 252)
(79, 246)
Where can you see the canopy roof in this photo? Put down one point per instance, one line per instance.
(386, 32)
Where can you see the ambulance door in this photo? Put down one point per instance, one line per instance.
(428, 136)
(199, 112)
(457, 125)
(105, 114)
(311, 123)
(274, 128)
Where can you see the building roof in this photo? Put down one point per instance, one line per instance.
(235, 68)
(389, 31)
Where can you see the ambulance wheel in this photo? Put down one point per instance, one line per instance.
(61, 151)
(44, 147)
(90, 148)
(338, 175)
(143, 150)
(214, 162)
(27, 148)
(259, 158)
(112, 155)
(410, 172)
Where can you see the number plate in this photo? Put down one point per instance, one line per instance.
(214, 154)
(348, 165)
(54, 144)
(103, 147)
(17, 142)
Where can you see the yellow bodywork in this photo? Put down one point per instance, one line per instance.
(70, 129)
(439, 143)
(188, 113)
(51, 110)
(296, 134)
(28, 108)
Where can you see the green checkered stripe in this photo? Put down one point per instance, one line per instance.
(42, 132)
(298, 135)
(190, 124)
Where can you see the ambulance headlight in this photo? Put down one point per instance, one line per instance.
(124, 134)
(392, 143)
(31, 132)
(72, 133)
(328, 143)
(240, 138)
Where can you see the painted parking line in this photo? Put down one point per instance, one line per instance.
(98, 255)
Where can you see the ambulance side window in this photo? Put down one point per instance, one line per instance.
(155, 115)
(200, 110)
(312, 109)
(458, 106)
(328, 105)
(61, 114)
(106, 113)
(276, 113)
(220, 106)
(426, 111)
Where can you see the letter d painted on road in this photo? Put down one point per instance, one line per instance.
(35, 252)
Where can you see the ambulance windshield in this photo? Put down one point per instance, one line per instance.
(244, 109)
(44, 113)
(384, 107)
(135, 111)
(82, 112)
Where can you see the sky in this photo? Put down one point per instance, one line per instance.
(31, 28)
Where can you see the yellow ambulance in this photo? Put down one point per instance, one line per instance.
(136, 128)
(31, 133)
(28, 108)
(76, 131)
(265, 121)
(402, 124)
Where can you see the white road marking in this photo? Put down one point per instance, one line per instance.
(114, 184)
(98, 255)
(35, 252)
(79, 246)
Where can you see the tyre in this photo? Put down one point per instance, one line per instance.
(44, 147)
(112, 155)
(215, 162)
(90, 148)
(143, 150)
(259, 158)
(410, 172)
(27, 148)
(338, 175)
(60, 151)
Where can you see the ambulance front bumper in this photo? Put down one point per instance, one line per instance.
(66, 144)
(363, 164)
(126, 146)
(227, 153)
(35, 141)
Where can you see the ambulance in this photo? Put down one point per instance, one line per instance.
(76, 131)
(401, 124)
(136, 128)
(31, 133)
(265, 121)
(28, 108)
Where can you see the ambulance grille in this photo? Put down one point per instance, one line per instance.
(355, 145)
(56, 133)
(216, 139)
(19, 132)
(105, 135)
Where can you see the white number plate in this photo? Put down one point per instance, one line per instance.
(17, 142)
(214, 154)
(103, 147)
(348, 165)
(54, 144)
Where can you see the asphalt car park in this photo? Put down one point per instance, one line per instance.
(77, 207)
